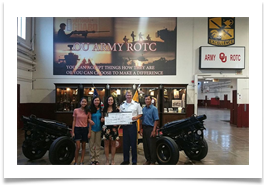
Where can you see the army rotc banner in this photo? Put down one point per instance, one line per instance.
(114, 46)
(221, 31)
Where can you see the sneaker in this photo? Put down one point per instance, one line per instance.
(81, 163)
(75, 163)
(124, 163)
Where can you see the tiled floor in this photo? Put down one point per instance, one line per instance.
(228, 145)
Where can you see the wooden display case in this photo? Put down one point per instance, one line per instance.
(174, 102)
(88, 91)
(170, 99)
(67, 97)
(118, 91)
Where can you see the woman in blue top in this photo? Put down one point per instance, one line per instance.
(95, 130)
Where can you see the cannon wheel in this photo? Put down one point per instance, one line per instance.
(62, 151)
(199, 153)
(31, 152)
(167, 151)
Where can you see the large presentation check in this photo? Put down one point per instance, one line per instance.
(118, 118)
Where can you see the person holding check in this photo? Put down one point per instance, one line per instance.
(130, 131)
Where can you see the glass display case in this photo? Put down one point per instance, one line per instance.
(118, 91)
(90, 89)
(67, 98)
(153, 91)
(174, 99)
(170, 99)
(173, 106)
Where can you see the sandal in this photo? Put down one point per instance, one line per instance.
(96, 162)
(92, 162)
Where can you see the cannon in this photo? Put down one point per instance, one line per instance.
(42, 135)
(186, 135)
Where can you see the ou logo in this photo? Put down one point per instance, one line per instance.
(223, 57)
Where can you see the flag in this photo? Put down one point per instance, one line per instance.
(95, 93)
(136, 99)
(136, 96)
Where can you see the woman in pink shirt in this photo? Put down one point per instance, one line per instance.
(80, 129)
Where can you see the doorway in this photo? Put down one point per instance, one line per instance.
(216, 87)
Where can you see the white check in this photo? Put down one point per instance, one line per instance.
(118, 118)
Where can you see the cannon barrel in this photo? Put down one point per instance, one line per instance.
(201, 117)
(50, 126)
(176, 126)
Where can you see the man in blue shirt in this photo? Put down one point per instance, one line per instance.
(149, 123)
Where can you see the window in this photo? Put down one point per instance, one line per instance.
(25, 32)
(21, 27)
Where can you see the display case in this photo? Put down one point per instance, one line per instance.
(118, 91)
(89, 91)
(174, 99)
(153, 91)
(174, 102)
(67, 98)
(170, 99)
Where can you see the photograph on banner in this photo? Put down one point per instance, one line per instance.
(127, 46)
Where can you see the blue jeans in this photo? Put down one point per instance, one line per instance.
(130, 139)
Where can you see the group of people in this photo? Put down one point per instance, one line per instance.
(125, 39)
(87, 127)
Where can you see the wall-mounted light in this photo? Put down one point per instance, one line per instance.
(68, 89)
(152, 93)
(208, 79)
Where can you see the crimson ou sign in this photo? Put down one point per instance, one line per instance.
(222, 58)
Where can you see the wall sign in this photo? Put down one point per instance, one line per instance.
(222, 57)
(221, 31)
(130, 46)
